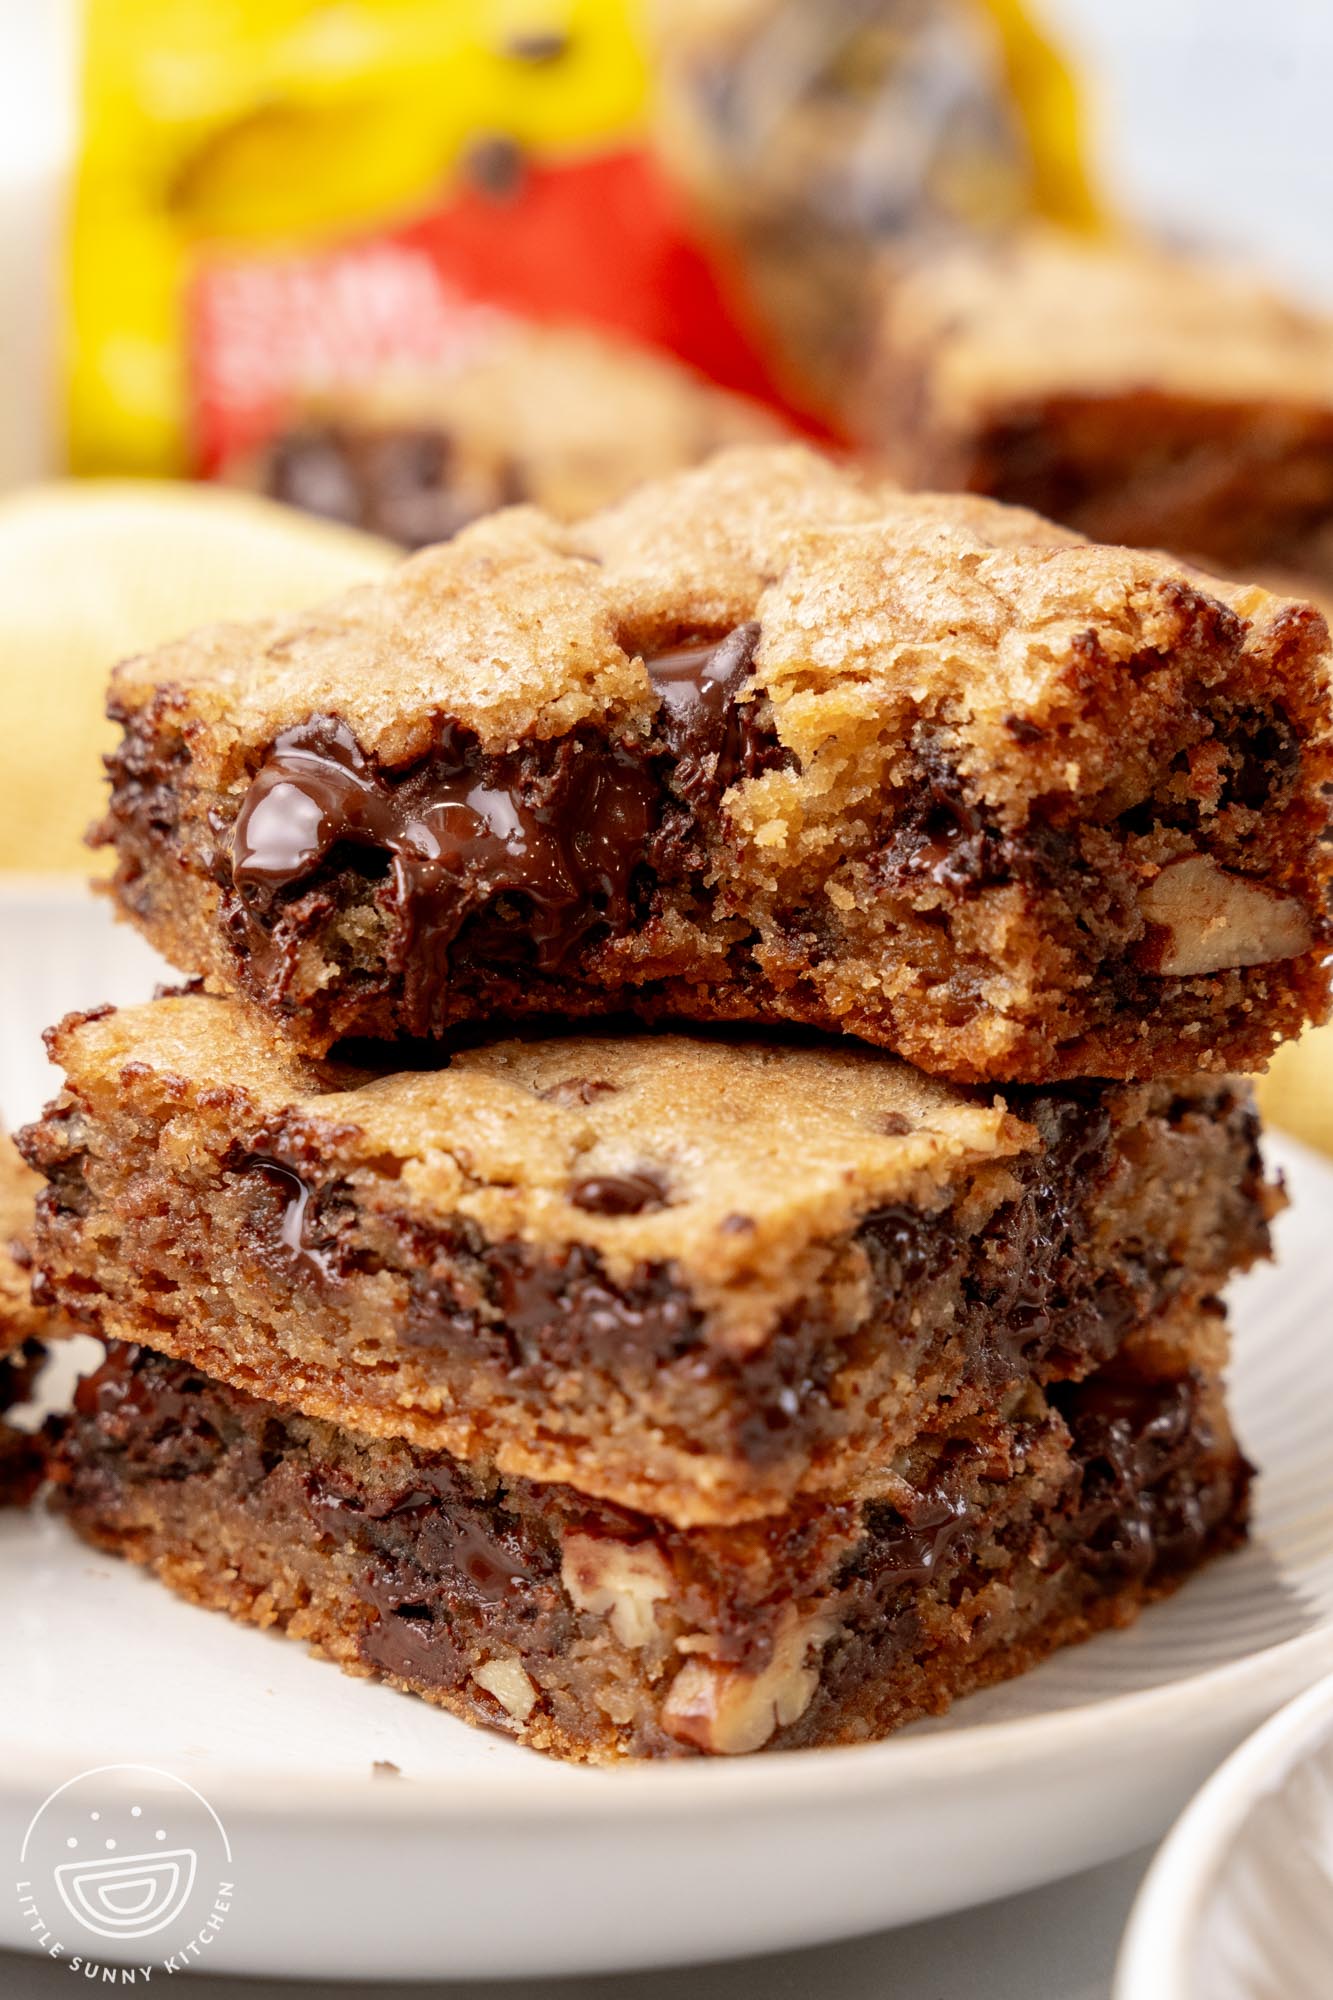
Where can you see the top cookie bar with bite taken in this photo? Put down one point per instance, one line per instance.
(766, 742)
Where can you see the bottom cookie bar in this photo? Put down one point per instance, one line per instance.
(594, 1633)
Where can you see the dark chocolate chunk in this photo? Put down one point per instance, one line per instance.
(395, 480)
(438, 1561)
(153, 1410)
(713, 736)
(1134, 1440)
(938, 834)
(458, 834)
(295, 1242)
(618, 1194)
(909, 1544)
(549, 1302)
(310, 468)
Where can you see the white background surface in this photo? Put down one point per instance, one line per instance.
(1211, 119)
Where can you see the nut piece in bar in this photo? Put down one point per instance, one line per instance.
(564, 417)
(593, 1633)
(766, 744)
(699, 1277)
(1137, 395)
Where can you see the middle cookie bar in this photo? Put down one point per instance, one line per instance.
(693, 1276)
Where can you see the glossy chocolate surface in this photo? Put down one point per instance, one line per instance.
(493, 862)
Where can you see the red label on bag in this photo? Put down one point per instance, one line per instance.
(598, 241)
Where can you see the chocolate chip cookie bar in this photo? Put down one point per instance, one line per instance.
(1133, 393)
(565, 417)
(595, 1633)
(20, 1324)
(698, 1277)
(764, 743)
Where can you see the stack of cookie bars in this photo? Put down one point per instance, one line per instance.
(685, 1208)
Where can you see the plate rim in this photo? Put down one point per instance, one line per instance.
(739, 1784)
(1155, 1953)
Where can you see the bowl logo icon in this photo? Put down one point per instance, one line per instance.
(125, 1863)
(132, 1896)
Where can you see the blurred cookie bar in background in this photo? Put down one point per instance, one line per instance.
(1135, 394)
(565, 417)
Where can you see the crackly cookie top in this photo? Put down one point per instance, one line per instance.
(18, 1189)
(732, 1159)
(875, 608)
(1046, 313)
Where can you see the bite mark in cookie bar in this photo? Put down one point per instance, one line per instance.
(596, 1634)
(1137, 395)
(695, 1276)
(764, 744)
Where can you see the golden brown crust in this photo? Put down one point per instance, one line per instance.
(870, 601)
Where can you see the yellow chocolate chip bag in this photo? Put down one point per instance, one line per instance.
(277, 197)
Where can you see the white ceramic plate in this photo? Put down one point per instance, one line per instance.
(1239, 1903)
(483, 1859)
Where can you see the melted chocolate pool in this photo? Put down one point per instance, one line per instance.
(534, 853)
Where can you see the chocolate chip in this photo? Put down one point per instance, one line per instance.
(618, 1194)
(940, 835)
(294, 1243)
(894, 1126)
(538, 47)
(1024, 731)
(310, 468)
(737, 1225)
(496, 167)
(713, 737)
